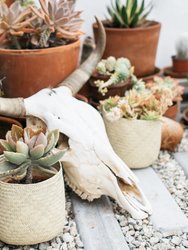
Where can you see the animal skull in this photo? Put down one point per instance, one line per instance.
(91, 167)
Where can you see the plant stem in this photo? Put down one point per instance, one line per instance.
(29, 175)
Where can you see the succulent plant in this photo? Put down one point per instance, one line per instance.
(128, 15)
(182, 47)
(25, 26)
(118, 70)
(142, 105)
(25, 149)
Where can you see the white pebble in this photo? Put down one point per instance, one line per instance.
(67, 237)
(176, 240)
(185, 243)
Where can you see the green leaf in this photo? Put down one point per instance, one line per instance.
(16, 158)
(6, 166)
(6, 146)
(37, 152)
(50, 159)
(134, 21)
(53, 137)
(124, 16)
(21, 147)
(134, 8)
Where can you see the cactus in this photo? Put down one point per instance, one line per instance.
(25, 149)
(128, 15)
(182, 47)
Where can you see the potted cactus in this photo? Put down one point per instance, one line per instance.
(180, 60)
(130, 35)
(39, 46)
(31, 187)
(111, 77)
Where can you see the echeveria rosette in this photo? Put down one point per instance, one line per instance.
(27, 147)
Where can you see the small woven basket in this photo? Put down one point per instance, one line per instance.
(137, 142)
(32, 213)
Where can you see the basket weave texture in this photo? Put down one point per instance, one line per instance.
(136, 142)
(32, 213)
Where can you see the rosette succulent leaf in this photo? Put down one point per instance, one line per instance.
(26, 149)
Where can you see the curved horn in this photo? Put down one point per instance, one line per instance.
(80, 76)
(13, 107)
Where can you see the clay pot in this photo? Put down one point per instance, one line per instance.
(139, 45)
(5, 125)
(179, 65)
(185, 116)
(9, 2)
(172, 111)
(28, 71)
(117, 89)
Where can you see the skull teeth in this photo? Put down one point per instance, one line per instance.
(82, 194)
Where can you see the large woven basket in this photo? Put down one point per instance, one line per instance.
(137, 142)
(32, 213)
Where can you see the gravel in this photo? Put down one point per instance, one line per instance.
(139, 234)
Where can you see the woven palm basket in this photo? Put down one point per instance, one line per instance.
(136, 142)
(32, 213)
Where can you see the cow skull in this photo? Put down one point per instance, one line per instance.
(91, 167)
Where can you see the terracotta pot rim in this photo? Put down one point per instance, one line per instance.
(9, 120)
(174, 58)
(39, 51)
(155, 25)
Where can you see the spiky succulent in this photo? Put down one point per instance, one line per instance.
(54, 23)
(25, 149)
(128, 15)
(118, 70)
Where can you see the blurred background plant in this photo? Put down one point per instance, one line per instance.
(143, 105)
(182, 46)
(131, 14)
(116, 70)
(25, 26)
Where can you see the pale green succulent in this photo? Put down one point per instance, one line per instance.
(110, 63)
(118, 70)
(26, 149)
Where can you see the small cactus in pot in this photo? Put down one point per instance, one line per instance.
(180, 60)
(26, 150)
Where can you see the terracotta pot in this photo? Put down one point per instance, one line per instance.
(9, 2)
(185, 116)
(5, 125)
(117, 89)
(28, 71)
(179, 65)
(139, 45)
(148, 78)
(172, 111)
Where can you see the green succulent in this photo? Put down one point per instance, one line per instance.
(25, 149)
(128, 15)
(118, 70)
